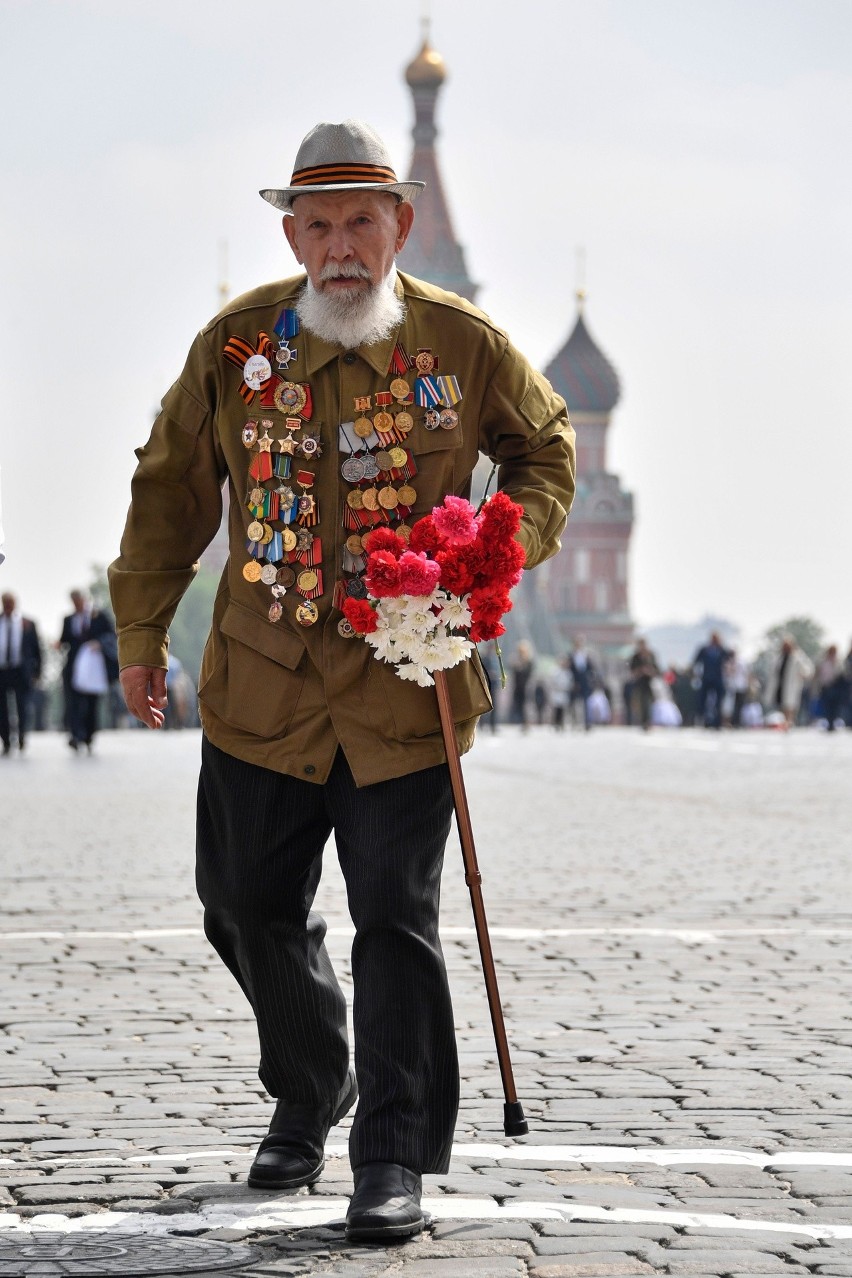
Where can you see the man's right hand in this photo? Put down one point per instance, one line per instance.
(144, 689)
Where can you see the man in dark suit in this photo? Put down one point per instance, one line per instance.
(20, 668)
(85, 625)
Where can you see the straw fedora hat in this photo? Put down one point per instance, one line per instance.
(342, 157)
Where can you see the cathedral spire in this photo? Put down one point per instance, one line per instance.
(432, 251)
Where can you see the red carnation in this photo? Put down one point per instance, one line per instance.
(361, 615)
(456, 577)
(425, 536)
(384, 539)
(504, 564)
(500, 518)
(383, 575)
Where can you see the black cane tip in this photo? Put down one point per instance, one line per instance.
(514, 1123)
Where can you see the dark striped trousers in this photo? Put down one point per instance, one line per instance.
(260, 840)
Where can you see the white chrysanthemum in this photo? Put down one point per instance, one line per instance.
(418, 617)
(414, 647)
(384, 642)
(390, 610)
(415, 673)
(454, 612)
(458, 649)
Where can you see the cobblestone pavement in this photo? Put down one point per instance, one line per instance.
(672, 921)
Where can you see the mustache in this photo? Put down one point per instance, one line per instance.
(346, 271)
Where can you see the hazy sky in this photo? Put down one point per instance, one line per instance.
(697, 149)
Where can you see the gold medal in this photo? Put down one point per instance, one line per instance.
(449, 419)
(388, 498)
(384, 459)
(354, 544)
(398, 456)
(403, 531)
(362, 427)
(267, 535)
(399, 388)
(252, 570)
(383, 422)
(254, 532)
(424, 362)
(404, 422)
(288, 539)
(345, 628)
(370, 499)
(307, 580)
(407, 495)
(307, 613)
(355, 499)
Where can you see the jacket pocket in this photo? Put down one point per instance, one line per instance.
(413, 711)
(437, 455)
(255, 674)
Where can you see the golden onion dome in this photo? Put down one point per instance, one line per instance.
(427, 68)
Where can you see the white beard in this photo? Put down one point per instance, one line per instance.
(351, 319)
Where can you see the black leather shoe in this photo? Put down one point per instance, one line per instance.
(293, 1153)
(386, 1203)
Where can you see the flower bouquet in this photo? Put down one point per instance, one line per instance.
(431, 599)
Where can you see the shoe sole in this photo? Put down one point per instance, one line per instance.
(379, 1233)
(259, 1182)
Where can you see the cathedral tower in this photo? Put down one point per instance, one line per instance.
(432, 252)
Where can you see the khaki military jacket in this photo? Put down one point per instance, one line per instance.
(282, 694)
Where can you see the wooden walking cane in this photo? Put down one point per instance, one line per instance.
(514, 1123)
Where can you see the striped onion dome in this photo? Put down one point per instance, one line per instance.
(582, 374)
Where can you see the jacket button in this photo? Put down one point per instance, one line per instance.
(350, 357)
(309, 769)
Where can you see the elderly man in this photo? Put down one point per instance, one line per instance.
(345, 398)
(20, 668)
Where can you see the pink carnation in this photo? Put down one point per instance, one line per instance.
(456, 519)
(418, 574)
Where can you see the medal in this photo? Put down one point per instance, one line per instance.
(310, 446)
(399, 389)
(352, 470)
(449, 419)
(407, 495)
(383, 422)
(345, 629)
(403, 530)
(432, 419)
(252, 570)
(268, 534)
(398, 457)
(354, 544)
(290, 398)
(388, 498)
(371, 466)
(284, 356)
(403, 422)
(250, 434)
(384, 459)
(356, 588)
(355, 499)
(265, 442)
(307, 581)
(254, 532)
(275, 611)
(370, 499)
(362, 427)
(424, 360)
(285, 577)
(268, 574)
(307, 613)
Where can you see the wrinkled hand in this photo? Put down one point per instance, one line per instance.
(144, 689)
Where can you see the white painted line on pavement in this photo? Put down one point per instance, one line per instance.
(690, 935)
(312, 1210)
(551, 1155)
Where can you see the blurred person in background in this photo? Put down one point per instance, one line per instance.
(20, 669)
